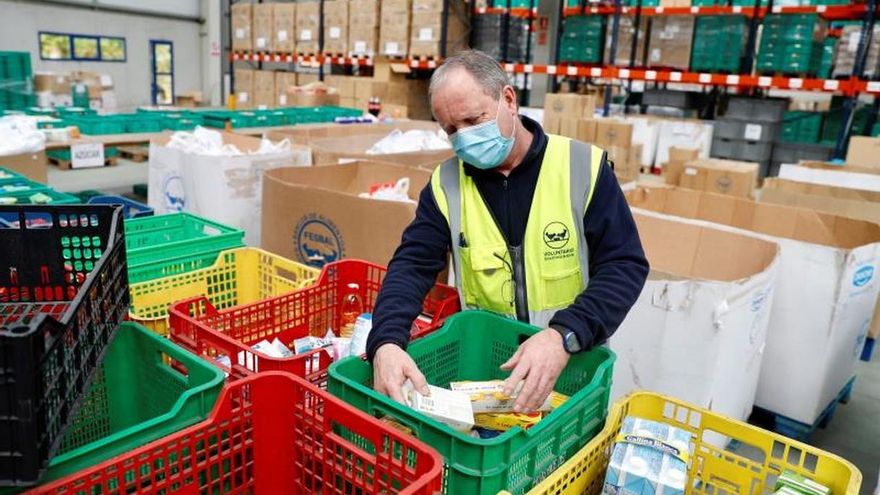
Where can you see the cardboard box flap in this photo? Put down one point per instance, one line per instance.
(352, 179)
(702, 252)
(819, 190)
(780, 221)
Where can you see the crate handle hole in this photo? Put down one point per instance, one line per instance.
(37, 220)
(174, 365)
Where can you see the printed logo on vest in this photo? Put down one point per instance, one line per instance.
(556, 235)
(318, 241)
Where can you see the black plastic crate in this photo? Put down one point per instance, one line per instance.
(757, 109)
(63, 292)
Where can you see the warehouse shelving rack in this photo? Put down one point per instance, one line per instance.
(744, 83)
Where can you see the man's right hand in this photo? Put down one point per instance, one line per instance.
(392, 366)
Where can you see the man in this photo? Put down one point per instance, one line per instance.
(537, 226)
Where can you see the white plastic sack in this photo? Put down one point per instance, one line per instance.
(203, 141)
(407, 142)
(398, 191)
(19, 134)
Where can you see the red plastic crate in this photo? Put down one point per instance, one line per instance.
(198, 326)
(270, 433)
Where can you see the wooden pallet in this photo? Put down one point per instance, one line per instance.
(65, 164)
(138, 154)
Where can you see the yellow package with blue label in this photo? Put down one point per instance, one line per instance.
(489, 397)
(506, 421)
(649, 458)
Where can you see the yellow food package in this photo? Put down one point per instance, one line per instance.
(488, 396)
(506, 421)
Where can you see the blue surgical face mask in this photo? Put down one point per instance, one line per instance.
(482, 145)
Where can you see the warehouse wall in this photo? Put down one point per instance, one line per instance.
(22, 22)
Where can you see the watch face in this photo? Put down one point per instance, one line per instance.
(571, 342)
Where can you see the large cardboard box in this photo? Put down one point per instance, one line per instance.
(611, 133)
(264, 27)
(670, 41)
(315, 215)
(224, 188)
(264, 89)
(244, 88)
(427, 29)
(864, 152)
(698, 329)
(242, 18)
(825, 294)
(349, 143)
(714, 175)
(673, 168)
(394, 27)
(336, 27)
(33, 165)
(299, 96)
(850, 176)
(283, 81)
(363, 27)
(559, 106)
(308, 25)
(624, 42)
(284, 32)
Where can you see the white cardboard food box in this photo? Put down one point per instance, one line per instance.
(826, 289)
(843, 176)
(683, 133)
(227, 189)
(698, 329)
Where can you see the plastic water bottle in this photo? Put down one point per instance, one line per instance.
(352, 307)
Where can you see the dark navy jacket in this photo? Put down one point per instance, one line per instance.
(618, 267)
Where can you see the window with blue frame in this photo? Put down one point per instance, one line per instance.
(64, 46)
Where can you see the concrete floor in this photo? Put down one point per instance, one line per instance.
(854, 433)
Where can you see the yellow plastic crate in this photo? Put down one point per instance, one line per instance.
(239, 276)
(760, 455)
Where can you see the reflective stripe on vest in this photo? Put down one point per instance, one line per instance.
(554, 258)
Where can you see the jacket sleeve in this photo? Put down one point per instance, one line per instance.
(618, 267)
(412, 272)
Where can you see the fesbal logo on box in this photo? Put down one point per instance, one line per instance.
(863, 276)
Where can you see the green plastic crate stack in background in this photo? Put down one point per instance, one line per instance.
(145, 388)
(583, 37)
(827, 62)
(471, 346)
(164, 245)
(834, 119)
(520, 4)
(43, 196)
(16, 87)
(791, 44)
(718, 43)
(94, 125)
(801, 127)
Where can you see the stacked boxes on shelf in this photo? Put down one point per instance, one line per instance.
(262, 27)
(394, 27)
(308, 24)
(427, 28)
(16, 89)
(582, 38)
(718, 43)
(264, 88)
(488, 29)
(242, 17)
(848, 45)
(626, 31)
(748, 129)
(336, 27)
(363, 27)
(283, 21)
(244, 88)
(792, 44)
(670, 41)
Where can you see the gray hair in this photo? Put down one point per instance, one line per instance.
(485, 70)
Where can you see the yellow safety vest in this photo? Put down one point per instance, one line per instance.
(533, 281)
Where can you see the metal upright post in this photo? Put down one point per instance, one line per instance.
(320, 53)
(444, 26)
(849, 105)
(524, 94)
(227, 45)
(633, 50)
(615, 28)
(505, 33)
(748, 62)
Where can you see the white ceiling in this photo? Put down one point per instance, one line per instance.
(188, 8)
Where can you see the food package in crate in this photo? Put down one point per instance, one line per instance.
(649, 457)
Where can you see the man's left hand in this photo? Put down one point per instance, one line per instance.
(539, 361)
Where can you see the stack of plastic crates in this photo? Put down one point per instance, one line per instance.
(472, 345)
(270, 433)
(164, 245)
(63, 292)
(197, 325)
(729, 456)
(238, 276)
(144, 389)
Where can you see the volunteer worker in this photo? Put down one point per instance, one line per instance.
(537, 226)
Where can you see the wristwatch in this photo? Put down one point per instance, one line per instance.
(570, 341)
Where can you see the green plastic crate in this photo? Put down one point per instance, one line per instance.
(471, 346)
(9, 177)
(718, 43)
(94, 125)
(175, 243)
(139, 123)
(801, 127)
(138, 395)
(24, 197)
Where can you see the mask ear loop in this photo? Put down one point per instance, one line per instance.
(501, 99)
